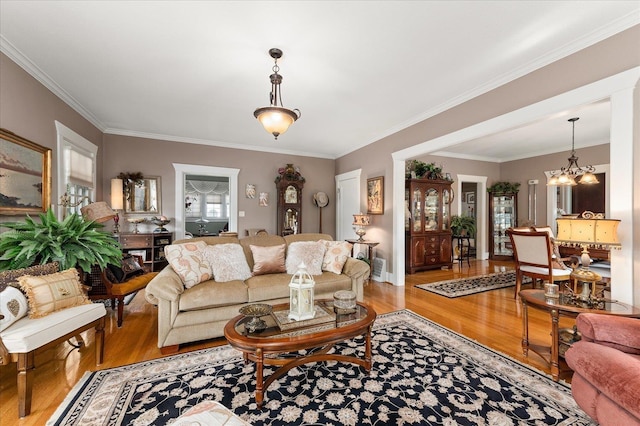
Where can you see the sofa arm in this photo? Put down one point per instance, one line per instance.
(617, 332)
(356, 268)
(166, 285)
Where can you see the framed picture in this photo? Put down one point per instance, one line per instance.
(375, 195)
(141, 253)
(470, 197)
(250, 190)
(25, 175)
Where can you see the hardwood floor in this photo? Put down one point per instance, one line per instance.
(494, 319)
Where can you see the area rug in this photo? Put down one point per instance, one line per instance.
(422, 374)
(465, 286)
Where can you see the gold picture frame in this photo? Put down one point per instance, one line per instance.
(25, 175)
(375, 195)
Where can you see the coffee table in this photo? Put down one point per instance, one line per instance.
(267, 346)
(556, 308)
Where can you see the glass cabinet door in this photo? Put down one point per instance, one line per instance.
(446, 209)
(416, 210)
(503, 219)
(431, 209)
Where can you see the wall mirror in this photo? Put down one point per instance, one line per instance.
(143, 197)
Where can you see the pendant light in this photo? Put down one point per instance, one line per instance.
(275, 118)
(566, 176)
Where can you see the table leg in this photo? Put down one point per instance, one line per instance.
(525, 329)
(555, 366)
(367, 350)
(259, 379)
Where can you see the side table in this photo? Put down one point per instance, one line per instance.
(461, 255)
(370, 244)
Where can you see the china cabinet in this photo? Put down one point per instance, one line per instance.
(289, 186)
(427, 220)
(503, 213)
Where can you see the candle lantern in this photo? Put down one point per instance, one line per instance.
(301, 295)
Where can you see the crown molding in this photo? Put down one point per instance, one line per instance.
(180, 139)
(33, 70)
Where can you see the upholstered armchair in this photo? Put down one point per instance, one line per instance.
(606, 365)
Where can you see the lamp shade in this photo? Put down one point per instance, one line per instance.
(98, 212)
(598, 232)
(361, 219)
(275, 120)
(117, 194)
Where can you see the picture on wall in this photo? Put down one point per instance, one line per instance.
(375, 195)
(25, 175)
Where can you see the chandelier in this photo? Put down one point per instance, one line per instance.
(276, 119)
(566, 176)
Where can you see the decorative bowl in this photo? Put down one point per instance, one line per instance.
(160, 223)
(256, 311)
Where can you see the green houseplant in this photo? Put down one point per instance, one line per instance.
(463, 225)
(74, 242)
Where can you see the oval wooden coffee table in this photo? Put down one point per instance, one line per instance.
(265, 347)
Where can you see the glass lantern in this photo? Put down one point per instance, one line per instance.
(301, 305)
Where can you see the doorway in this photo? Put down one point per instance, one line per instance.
(472, 201)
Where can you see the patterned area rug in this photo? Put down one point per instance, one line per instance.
(422, 374)
(465, 286)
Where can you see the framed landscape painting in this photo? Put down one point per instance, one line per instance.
(375, 195)
(25, 175)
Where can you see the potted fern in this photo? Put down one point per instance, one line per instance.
(73, 242)
(463, 225)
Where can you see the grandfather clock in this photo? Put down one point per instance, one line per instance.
(289, 184)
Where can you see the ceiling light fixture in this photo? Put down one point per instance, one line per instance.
(566, 176)
(276, 119)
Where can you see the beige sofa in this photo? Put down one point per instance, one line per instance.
(201, 312)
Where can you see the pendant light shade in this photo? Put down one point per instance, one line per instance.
(567, 176)
(275, 118)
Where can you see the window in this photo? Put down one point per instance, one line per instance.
(76, 169)
(207, 199)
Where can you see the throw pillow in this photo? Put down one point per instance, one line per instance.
(129, 268)
(188, 261)
(10, 277)
(53, 292)
(13, 305)
(228, 262)
(336, 255)
(311, 253)
(268, 260)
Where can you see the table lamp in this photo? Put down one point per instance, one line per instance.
(587, 232)
(117, 202)
(360, 221)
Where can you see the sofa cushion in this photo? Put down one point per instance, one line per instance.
(228, 262)
(311, 253)
(28, 334)
(210, 294)
(187, 259)
(53, 292)
(268, 260)
(276, 286)
(13, 305)
(336, 255)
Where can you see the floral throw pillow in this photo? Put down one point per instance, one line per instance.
(188, 261)
(311, 253)
(228, 262)
(336, 255)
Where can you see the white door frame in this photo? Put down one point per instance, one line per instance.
(182, 170)
(342, 229)
(482, 247)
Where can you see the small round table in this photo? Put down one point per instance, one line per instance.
(557, 307)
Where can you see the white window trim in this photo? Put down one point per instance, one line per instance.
(67, 137)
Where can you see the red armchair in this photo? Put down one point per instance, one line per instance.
(606, 365)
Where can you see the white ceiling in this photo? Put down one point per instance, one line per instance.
(194, 71)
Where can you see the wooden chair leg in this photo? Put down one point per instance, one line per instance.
(518, 284)
(25, 382)
(120, 301)
(100, 342)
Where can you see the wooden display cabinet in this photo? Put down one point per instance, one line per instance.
(427, 224)
(503, 214)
